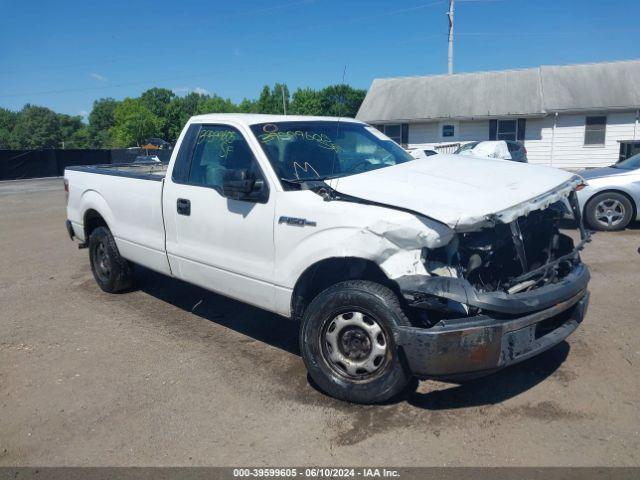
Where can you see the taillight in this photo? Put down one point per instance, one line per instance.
(66, 190)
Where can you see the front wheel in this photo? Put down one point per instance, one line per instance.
(609, 211)
(347, 342)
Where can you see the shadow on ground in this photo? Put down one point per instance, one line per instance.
(282, 333)
(251, 321)
(494, 388)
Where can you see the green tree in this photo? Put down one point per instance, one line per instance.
(270, 100)
(69, 125)
(101, 121)
(341, 100)
(157, 99)
(265, 102)
(306, 101)
(134, 124)
(36, 128)
(81, 138)
(247, 106)
(175, 119)
(158, 112)
(216, 104)
(7, 122)
(179, 110)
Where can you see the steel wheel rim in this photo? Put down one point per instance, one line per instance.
(610, 212)
(102, 262)
(355, 345)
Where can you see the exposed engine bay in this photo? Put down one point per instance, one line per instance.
(508, 263)
(522, 255)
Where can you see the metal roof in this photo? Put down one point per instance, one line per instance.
(528, 92)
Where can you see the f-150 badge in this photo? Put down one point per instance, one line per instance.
(297, 222)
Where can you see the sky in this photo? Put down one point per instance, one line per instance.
(66, 54)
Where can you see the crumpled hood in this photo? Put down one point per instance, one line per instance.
(460, 191)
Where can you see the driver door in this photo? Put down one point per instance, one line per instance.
(218, 243)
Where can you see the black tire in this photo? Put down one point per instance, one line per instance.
(374, 303)
(112, 272)
(622, 209)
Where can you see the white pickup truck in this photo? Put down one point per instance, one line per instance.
(443, 267)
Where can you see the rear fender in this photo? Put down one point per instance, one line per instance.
(92, 200)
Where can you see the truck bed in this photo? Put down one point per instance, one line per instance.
(143, 171)
(129, 198)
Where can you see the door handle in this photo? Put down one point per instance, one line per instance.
(183, 206)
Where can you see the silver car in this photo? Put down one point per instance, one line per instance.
(611, 199)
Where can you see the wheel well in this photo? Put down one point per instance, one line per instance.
(92, 220)
(321, 275)
(612, 190)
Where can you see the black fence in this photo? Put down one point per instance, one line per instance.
(19, 164)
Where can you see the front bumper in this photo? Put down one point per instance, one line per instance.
(510, 331)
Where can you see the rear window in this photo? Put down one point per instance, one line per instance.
(466, 147)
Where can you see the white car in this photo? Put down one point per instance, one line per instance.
(419, 153)
(396, 268)
(503, 149)
(611, 198)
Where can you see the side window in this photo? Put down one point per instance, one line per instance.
(394, 132)
(507, 130)
(595, 130)
(218, 149)
(180, 173)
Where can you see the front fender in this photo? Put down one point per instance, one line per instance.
(395, 246)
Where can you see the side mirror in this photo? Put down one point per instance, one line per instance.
(242, 185)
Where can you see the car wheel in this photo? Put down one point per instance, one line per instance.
(609, 211)
(347, 342)
(112, 272)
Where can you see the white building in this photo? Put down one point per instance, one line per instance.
(572, 116)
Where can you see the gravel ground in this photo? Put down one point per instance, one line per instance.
(170, 374)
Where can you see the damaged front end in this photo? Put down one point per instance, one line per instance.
(498, 294)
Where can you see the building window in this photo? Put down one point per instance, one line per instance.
(507, 130)
(595, 129)
(392, 130)
(448, 131)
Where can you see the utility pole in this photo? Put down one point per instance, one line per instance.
(450, 56)
(284, 104)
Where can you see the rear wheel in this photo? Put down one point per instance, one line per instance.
(112, 272)
(609, 211)
(347, 342)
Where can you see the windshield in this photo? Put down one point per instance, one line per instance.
(630, 163)
(466, 147)
(326, 149)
